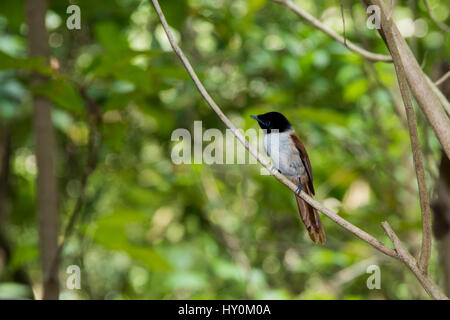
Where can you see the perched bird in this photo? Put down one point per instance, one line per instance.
(290, 158)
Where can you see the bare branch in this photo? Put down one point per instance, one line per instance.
(319, 25)
(426, 282)
(403, 255)
(424, 60)
(442, 79)
(328, 212)
(425, 252)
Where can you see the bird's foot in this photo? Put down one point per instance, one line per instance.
(299, 189)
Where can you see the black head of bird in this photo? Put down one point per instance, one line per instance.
(273, 121)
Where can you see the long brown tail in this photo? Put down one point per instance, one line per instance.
(311, 219)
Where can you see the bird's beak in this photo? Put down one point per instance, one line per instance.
(257, 119)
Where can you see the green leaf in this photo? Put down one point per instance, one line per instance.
(122, 217)
(8, 62)
(114, 238)
(62, 94)
(121, 69)
(14, 11)
(117, 101)
(110, 37)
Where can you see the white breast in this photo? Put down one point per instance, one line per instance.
(284, 155)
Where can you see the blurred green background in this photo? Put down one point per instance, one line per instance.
(149, 229)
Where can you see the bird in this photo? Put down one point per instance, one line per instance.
(290, 158)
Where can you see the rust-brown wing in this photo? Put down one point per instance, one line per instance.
(305, 160)
(308, 214)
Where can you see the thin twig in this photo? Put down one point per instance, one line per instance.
(442, 79)
(424, 60)
(319, 25)
(343, 22)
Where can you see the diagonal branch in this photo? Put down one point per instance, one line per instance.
(403, 255)
(319, 25)
(442, 79)
(328, 212)
(424, 279)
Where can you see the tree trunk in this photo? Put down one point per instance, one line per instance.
(46, 192)
(441, 206)
(5, 155)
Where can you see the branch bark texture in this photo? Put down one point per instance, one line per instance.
(425, 252)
